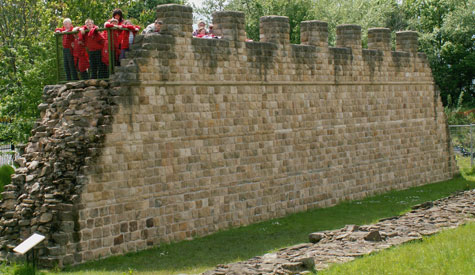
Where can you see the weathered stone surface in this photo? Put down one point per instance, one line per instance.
(46, 217)
(33, 165)
(315, 237)
(373, 236)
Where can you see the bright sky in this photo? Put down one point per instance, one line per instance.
(196, 2)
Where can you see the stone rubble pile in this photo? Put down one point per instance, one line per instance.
(46, 186)
(345, 244)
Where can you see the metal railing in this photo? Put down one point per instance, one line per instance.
(463, 139)
(8, 153)
(66, 72)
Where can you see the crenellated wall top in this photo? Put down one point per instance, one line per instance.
(179, 56)
(276, 29)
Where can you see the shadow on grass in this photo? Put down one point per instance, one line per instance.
(257, 239)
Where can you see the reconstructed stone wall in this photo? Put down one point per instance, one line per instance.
(207, 134)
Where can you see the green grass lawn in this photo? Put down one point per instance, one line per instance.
(449, 252)
(243, 243)
(467, 171)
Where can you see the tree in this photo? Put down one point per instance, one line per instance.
(25, 66)
(447, 30)
(207, 8)
(367, 13)
(144, 11)
(297, 11)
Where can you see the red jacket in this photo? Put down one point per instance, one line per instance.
(93, 39)
(105, 50)
(68, 39)
(115, 42)
(124, 36)
(115, 35)
(81, 58)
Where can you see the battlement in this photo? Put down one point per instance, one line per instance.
(180, 57)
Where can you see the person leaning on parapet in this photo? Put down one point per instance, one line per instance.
(95, 43)
(68, 40)
(155, 27)
(111, 23)
(199, 31)
(127, 37)
(81, 58)
(211, 29)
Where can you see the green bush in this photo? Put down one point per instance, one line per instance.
(24, 269)
(5, 176)
(18, 269)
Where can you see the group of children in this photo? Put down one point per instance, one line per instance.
(86, 50)
(202, 32)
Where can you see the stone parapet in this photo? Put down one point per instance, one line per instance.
(379, 39)
(177, 19)
(314, 33)
(275, 29)
(231, 26)
(349, 36)
(406, 41)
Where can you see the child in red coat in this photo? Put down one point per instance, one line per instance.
(127, 37)
(81, 58)
(201, 33)
(94, 42)
(68, 59)
(115, 42)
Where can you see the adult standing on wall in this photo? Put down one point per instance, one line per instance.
(118, 15)
(154, 27)
(68, 40)
(95, 43)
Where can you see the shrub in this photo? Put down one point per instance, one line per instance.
(6, 172)
(19, 269)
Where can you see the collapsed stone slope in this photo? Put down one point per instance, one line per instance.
(46, 187)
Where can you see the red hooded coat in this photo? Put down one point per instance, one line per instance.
(115, 41)
(93, 40)
(68, 39)
(81, 58)
(124, 36)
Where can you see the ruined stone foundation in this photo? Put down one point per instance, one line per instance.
(196, 135)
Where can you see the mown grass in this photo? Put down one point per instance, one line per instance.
(243, 243)
(449, 252)
(464, 164)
